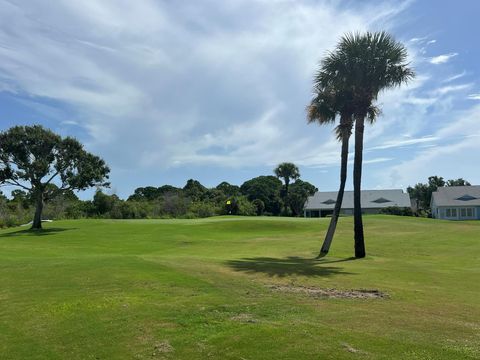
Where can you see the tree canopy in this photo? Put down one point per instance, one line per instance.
(299, 192)
(265, 188)
(287, 171)
(34, 158)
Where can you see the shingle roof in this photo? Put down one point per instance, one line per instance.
(373, 199)
(457, 196)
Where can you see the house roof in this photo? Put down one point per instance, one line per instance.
(457, 196)
(373, 199)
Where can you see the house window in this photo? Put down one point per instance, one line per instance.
(451, 213)
(466, 212)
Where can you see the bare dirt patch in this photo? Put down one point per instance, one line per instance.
(330, 293)
(162, 348)
(352, 349)
(246, 318)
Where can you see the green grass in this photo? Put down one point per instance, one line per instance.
(198, 289)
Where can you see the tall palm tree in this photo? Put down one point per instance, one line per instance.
(287, 171)
(324, 108)
(364, 64)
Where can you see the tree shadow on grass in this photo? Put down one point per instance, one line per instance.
(291, 265)
(30, 232)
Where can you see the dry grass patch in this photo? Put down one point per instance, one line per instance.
(330, 293)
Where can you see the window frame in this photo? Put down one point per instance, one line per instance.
(451, 213)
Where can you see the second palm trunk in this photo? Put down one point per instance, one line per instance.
(338, 204)
(357, 182)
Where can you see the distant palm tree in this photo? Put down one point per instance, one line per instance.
(324, 108)
(287, 171)
(364, 64)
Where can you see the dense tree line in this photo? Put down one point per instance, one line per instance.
(263, 195)
(46, 169)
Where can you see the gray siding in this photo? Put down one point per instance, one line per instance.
(323, 202)
(456, 212)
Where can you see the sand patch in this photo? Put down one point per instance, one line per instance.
(330, 293)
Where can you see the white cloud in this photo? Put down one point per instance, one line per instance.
(456, 157)
(400, 143)
(187, 80)
(474, 96)
(419, 39)
(441, 59)
(213, 83)
(455, 77)
(377, 160)
(451, 88)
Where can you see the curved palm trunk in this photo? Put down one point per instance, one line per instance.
(37, 219)
(338, 204)
(357, 180)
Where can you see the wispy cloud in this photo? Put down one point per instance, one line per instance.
(451, 88)
(474, 96)
(459, 146)
(441, 59)
(455, 77)
(198, 84)
(183, 86)
(400, 143)
(377, 160)
(416, 40)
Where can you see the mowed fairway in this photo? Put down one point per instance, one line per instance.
(199, 289)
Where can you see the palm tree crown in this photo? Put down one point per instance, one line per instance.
(287, 171)
(327, 104)
(365, 64)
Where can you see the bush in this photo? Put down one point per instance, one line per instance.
(202, 210)
(259, 205)
(395, 210)
(245, 207)
(175, 205)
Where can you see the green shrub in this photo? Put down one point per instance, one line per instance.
(203, 209)
(259, 206)
(395, 210)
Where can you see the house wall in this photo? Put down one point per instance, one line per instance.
(441, 213)
(326, 212)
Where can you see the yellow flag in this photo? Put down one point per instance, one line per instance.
(228, 202)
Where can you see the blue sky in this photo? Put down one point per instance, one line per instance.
(165, 91)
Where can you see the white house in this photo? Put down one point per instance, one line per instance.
(322, 203)
(456, 203)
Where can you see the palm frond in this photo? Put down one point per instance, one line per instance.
(344, 129)
(373, 112)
